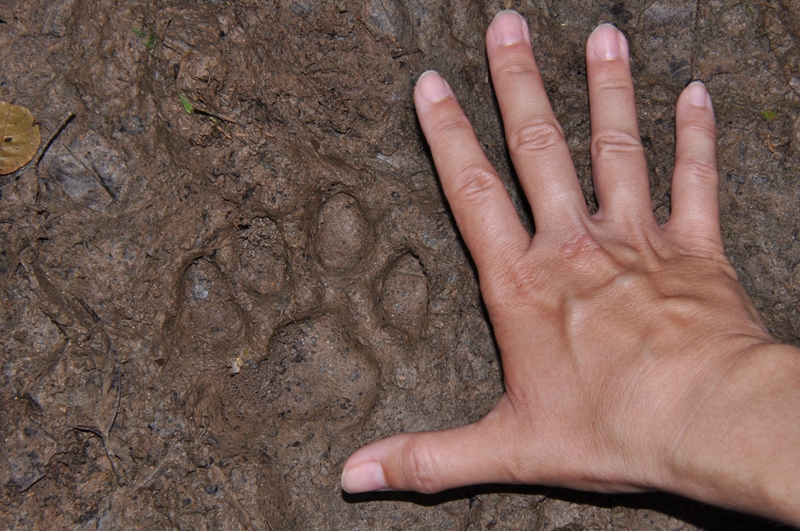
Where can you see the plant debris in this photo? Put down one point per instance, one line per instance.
(19, 137)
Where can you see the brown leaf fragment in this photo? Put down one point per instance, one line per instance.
(19, 137)
(77, 181)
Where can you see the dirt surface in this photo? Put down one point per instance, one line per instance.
(204, 314)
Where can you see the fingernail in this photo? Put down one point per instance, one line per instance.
(605, 42)
(509, 27)
(697, 95)
(365, 477)
(433, 87)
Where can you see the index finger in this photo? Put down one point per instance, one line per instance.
(482, 208)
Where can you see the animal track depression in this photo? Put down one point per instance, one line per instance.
(285, 287)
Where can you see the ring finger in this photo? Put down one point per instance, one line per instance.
(619, 167)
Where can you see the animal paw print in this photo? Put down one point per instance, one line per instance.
(258, 262)
(343, 235)
(209, 324)
(404, 294)
(322, 363)
(316, 370)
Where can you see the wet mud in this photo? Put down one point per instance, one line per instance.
(203, 314)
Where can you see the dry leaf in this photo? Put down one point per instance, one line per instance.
(19, 137)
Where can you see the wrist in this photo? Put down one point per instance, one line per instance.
(737, 444)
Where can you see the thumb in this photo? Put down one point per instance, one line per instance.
(432, 461)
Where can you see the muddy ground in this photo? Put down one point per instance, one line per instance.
(204, 314)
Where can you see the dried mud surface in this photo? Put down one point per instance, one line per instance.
(202, 315)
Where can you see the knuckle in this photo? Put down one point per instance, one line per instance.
(449, 125)
(586, 257)
(614, 83)
(615, 141)
(536, 136)
(582, 245)
(699, 170)
(420, 468)
(475, 184)
(515, 278)
(700, 127)
(515, 68)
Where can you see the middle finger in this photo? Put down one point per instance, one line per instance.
(535, 139)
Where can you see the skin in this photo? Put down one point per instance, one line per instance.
(633, 358)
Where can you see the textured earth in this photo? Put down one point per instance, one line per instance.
(203, 314)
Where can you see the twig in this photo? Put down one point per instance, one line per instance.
(118, 379)
(90, 429)
(64, 121)
(183, 63)
(149, 478)
(99, 434)
(203, 110)
(224, 132)
(104, 435)
(732, 143)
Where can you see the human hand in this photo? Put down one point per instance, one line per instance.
(615, 333)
